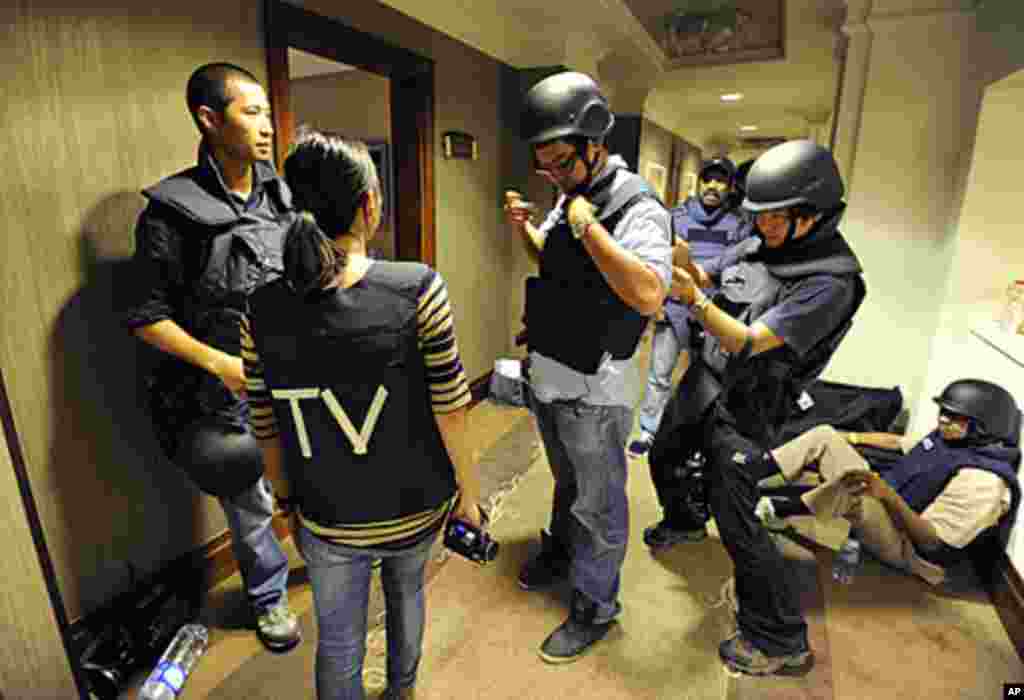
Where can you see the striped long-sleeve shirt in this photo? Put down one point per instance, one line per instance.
(449, 391)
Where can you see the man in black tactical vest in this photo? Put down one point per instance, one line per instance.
(605, 260)
(209, 236)
(786, 299)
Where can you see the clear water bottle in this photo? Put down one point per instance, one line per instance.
(167, 679)
(847, 561)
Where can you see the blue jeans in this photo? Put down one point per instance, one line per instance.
(262, 562)
(340, 578)
(665, 350)
(585, 446)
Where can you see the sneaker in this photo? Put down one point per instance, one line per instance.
(639, 447)
(743, 657)
(664, 535)
(577, 634)
(399, 694)
(278, 628)
(551, 565)
(765, 512)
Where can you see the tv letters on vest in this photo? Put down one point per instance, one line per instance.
(359, 439)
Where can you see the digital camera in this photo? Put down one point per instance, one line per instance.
(472, 543)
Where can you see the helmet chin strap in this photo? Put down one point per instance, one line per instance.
(585, 184)
(791, 232)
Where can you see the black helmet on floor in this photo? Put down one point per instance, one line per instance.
(563, 105)
(791, 174)
(723, 164)
(989, 404)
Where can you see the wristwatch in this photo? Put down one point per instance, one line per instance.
(579, 229)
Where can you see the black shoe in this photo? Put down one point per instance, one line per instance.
(743, 657)
(665, 535)
(577, 634)
(551, 565)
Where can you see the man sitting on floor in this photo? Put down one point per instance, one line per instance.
(919, 515)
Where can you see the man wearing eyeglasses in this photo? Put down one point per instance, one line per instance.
(604, 254)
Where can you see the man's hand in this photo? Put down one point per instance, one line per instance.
(580, 210)
(681, 253)
(231, 370)
(862, 482)
(468, 512)
(516, 214)
(683, 286)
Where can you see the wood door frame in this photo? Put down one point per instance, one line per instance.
(411, 79)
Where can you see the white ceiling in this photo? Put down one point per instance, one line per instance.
(304, 65)
(780, 96)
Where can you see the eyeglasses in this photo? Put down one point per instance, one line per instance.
(563, 167)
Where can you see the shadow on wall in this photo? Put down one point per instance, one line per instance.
(118, 498)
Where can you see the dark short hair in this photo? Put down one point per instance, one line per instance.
(208, 86)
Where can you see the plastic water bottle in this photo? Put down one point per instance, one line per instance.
(847, 561)
(167, 679)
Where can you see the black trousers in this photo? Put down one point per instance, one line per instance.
(769, 608)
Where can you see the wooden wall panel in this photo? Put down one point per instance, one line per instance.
(33, 662)
(93, 110)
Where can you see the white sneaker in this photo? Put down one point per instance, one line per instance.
(765, 512)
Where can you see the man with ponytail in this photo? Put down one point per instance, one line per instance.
(208, 237)
(359, 402)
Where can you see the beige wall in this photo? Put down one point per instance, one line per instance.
(93, 112)
(988, 254)
(356, 104)
(678, 157)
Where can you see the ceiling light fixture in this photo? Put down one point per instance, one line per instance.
(749, 127)
(732, 97)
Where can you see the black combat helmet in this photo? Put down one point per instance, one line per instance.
(989, 404)
(563, 105)
(722, 164)
(794, 173)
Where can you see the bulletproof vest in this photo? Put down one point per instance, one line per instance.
(228, 255)
(351, 398)
(762, 391)
(572, 314)
(923, 472)
(707, 239)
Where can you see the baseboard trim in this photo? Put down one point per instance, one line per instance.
(1007, 591)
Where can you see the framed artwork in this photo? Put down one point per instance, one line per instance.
(657, 176)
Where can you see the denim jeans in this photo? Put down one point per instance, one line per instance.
(340, 578)
(585, 446)
(262, 562)
(665, 350)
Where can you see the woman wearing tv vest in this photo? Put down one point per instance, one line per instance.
(359, 401)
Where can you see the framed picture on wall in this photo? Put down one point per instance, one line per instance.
(380, 152)
(657, 176)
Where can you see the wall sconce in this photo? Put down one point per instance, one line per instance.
(458, 144)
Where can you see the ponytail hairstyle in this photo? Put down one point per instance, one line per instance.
(330, 179)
